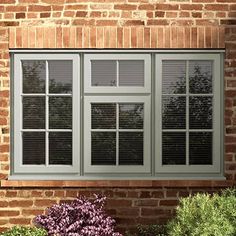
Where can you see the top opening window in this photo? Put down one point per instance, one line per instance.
(117, 73)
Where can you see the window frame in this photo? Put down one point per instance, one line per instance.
(146, 167)
(17, 118)
(217, 115)
(88, 88)
(77, 171)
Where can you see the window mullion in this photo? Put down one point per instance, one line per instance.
(117, 134)
(47, 116)
(117, 73)
(187, 113)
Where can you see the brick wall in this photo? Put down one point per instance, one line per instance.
(113, 24)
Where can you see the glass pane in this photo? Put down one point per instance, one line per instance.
(60, 148)
(131, 73)
(173, 148)
(200, 76)
(200, 148)
(33, 148)
(103, 115)
(103, 72)
(130, 148)
(33, 112)
(131, 116)
(173, 77)
(103, 148)
(60, 112)
(60, 76)
(34, 75)
(200, 112)
(173, 112)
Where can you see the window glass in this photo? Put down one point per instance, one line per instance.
(60, 76)
(189, 112)
(131, 73)
(34, 76)
(104, 72)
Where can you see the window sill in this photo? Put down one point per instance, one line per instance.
(116, 183)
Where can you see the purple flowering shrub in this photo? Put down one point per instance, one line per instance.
(78, 218)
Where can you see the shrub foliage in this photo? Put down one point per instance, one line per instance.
(25, 231)
(149, 230)
(78, 218)
(205, 215)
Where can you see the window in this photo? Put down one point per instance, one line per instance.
(188, 114)
(116, 115)
(46, 107)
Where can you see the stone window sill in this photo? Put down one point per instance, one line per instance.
(116, 183)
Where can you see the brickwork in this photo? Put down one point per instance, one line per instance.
(113, 24)
(129, 206)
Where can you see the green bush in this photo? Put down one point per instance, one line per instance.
(205, 215)
(149, 230)
(25, 231)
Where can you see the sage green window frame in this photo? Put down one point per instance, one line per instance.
(18, 167)
(215, 168)
(80, 99)
(146, 167)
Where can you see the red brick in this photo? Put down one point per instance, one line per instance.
(3, 203)
(4, 148)
(147, 202)
(150, 211)
(118, 203)
(159, 13)
(7, 1)
(106, 22)
(3, 121)
(168, 202)
(230, 130)
(20, 15)
(203, 1)
(36, 193)
(4, 93)
(197, 14)
(184, 14)
(232, 7)
(127, 212)
(76, 7)
(204, 22)
(167, 7)
(28, 1)
(81, 13)
(7, 213)
(16, 8)
(191, 7)
(21, 221)
(39, 8)
(45, 14)
(83, 22)
(34, 212)
(53, 1)
(230, 139)
(157, 22)
(20, 203)
(217, 7)
(44, 202)
(3, 222)
(133, 22)
(146, 7)
(125, 7)
(228, 22)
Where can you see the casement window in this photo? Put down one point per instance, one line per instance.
(117, 114)
(46, 113)
(188, 113)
